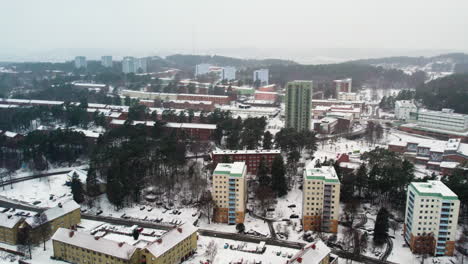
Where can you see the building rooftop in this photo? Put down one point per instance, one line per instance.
(235, 169)
(8, 220)
(326, 173)
(313, 253)
(434, 188)
(83, 240)
(246, 151)
(171, 239)
(169, 124)
(54, 213)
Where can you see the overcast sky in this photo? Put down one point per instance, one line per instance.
(148, 27)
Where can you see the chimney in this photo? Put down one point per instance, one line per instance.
(71, 233)
(313, 246)
(159, 240)
(60, 205)
(179, 229)
(299, 260)
(121, 244)
(96, 237)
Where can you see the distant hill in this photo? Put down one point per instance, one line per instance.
(452, 62)
(183, 61)
(447, 92)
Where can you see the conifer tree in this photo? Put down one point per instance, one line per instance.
(278, 179)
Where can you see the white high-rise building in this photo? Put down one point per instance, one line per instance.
(128, 65)
(403, 108)
(201, 69)
(262, 75)
(141, 65)
(230, 192)
(80, 62)
(321, 199)
(431, 218)
(229, 73)
(106, 61)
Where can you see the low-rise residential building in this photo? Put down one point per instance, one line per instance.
(326, 125)
(251, 158)
(216, 99)
(229, 192)
(435, 154)
(82, 248)
(320, 199)
(314, 253)
(9, 226)
(348, 96)
(175, 246)
(403, 108)
(431, 218)
(65, 215)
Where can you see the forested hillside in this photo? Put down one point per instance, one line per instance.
(447, 92)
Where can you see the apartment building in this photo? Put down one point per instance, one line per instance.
(9, 226)
(431, 218)
(80, 62)
(66, 215)
(106, 61)
(403, 108)
(251, 158)
(320, 199)
(229, 192)
(299, 105)
(343, 86)
(261, 76)
(314, 253)
(175, 246)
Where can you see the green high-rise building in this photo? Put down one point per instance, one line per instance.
(299, 105)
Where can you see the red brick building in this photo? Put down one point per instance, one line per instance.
(251, 158)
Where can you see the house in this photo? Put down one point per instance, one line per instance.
(314, 253)
(9, 226)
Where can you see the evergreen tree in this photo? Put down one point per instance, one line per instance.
(361, 178)
(262, 173)
(77, 188)
(278, 178)
(267, 140)
(135, 234)
(381, 226)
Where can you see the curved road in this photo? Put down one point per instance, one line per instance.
(388, 250)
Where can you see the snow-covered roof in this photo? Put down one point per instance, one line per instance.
(246, 151)
(105, 246)
(313, 253)
(449, 164)
(171, 239)
(235, 169)
(170, 124)
(54, 212)
(350, 165)
(8, 220)
(434, 188)
(10, 134)
(326, 173)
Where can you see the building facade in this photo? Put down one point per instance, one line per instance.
(445, 120)
(251, 158)
(229, 192)
(128, 65)
(106, 61)
(80, 62)
(261, 75)
(299, 105)
(403, 108)
(343, 86)
(320, 199)
(343, 96)
(9, 226)
(201, 69)
(175, 246)
(431, 218)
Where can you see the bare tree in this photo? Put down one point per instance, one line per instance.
(43, 227)
(206, 204)
(211, 251)
(395, 226)
(265, 196)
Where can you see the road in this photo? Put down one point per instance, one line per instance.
(202, 232)
(388, 249)
(36, 176)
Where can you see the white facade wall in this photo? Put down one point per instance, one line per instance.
(201, 69)
(262, 75)
(106, 61)
(403, 109)
(446, 120)
(80, 62)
